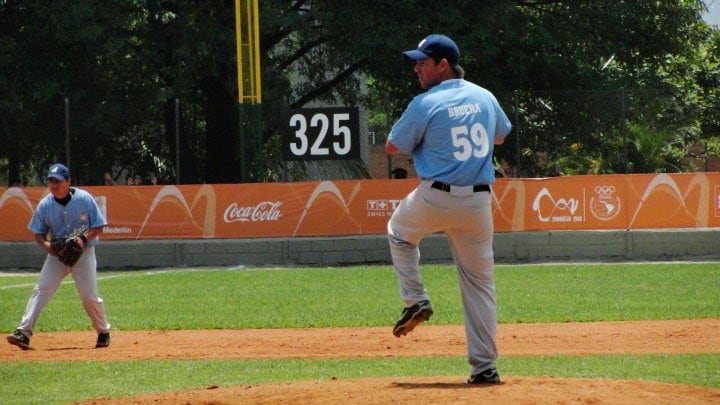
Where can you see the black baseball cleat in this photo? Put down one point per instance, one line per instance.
(489, 376)
(411, 317)
(19, 339)
(103, 340)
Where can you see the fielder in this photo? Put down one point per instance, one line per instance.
(449, 130)
(73, 220)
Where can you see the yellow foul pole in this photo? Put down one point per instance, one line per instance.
(247, 31)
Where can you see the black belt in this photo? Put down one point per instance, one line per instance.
(446, 187)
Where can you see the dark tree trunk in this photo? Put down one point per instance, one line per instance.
(222, 161)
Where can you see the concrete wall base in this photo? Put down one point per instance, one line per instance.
(512, 247)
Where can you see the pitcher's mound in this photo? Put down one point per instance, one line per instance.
(438, 390)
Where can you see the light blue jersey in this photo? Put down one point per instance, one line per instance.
(450, 130)
(78, 216)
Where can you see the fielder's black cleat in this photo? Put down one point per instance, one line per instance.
(489, 376)
(103, 340)
(411, 317)
(19, 339)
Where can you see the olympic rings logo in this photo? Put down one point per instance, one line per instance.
(605, 190)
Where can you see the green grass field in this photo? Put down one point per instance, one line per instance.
(352, 296)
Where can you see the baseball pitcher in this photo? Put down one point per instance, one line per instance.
(449, 130)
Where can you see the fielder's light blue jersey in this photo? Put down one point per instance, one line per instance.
(79, 215)
(450, 130)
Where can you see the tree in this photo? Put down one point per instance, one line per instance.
(558, 72)
(581, 81)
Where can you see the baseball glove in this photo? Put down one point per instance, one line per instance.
(67, 250)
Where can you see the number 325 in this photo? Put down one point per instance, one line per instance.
(340, 146)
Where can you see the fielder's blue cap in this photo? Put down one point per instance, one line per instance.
(59, 171)
(435, 46)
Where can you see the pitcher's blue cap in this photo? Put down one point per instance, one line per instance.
(59, 171)
(435, 46)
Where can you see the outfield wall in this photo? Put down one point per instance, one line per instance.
(346, 208)
(337, 223)
(511, 247)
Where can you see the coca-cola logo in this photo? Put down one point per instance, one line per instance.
(263, 211)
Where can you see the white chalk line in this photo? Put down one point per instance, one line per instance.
(125, 274)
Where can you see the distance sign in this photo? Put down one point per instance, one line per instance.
(321, 134)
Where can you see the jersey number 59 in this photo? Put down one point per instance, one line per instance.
(470, 143)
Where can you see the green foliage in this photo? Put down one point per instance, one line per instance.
(277, 169)
(652, 150)
(123, 65)
(379, 114)
(713, 146)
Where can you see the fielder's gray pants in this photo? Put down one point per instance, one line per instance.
(84, 273)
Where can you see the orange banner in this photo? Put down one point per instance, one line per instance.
(353, 207)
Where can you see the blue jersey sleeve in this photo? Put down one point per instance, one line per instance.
(407, 132)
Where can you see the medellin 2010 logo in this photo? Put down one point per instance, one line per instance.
(605, 205)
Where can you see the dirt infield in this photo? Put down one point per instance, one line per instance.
(592, 338)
